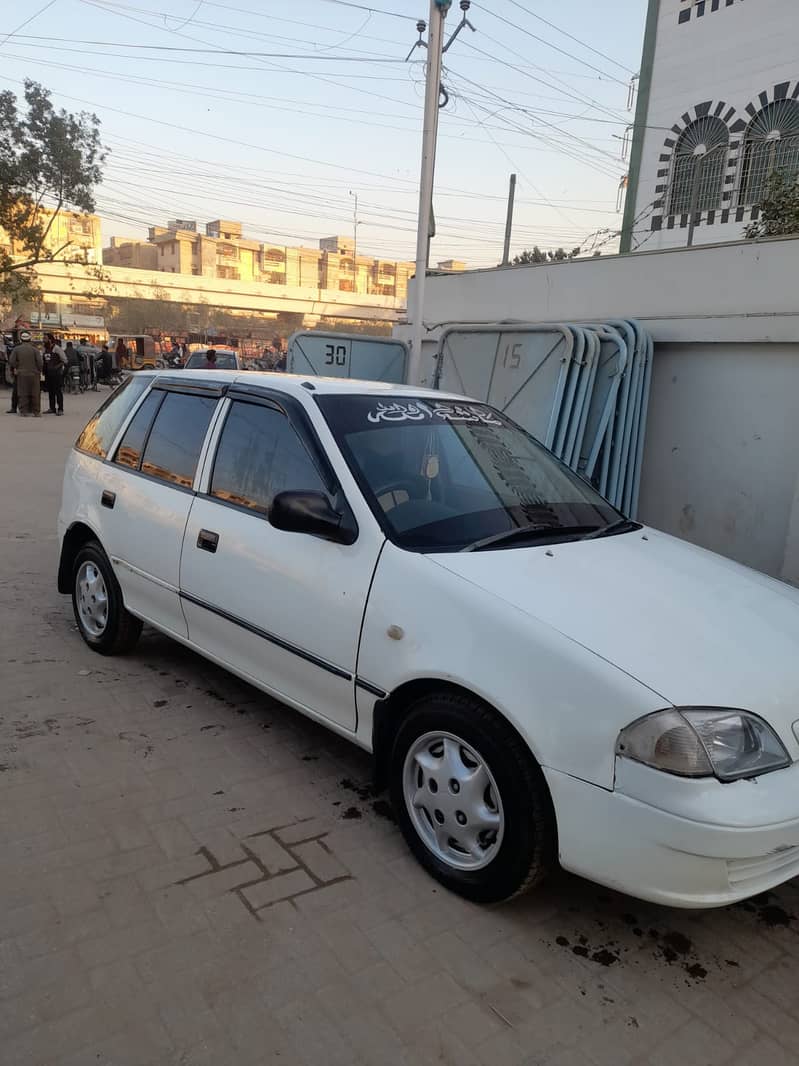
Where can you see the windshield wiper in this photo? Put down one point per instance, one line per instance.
(533, 532)
(612, 527)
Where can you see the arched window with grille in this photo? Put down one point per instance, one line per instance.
(771, 145)
(697, 175)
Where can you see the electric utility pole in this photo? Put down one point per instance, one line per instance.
(355, 243)
(435, 44)
(509, 220)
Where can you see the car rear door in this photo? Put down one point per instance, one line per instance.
(149, 492)
(284, 609)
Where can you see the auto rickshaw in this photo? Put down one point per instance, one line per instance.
(134, 351)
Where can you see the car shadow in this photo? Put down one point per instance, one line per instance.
(593, 925)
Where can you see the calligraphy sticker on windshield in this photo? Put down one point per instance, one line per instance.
(439, 411)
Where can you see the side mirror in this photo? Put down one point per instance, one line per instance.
(311, 512)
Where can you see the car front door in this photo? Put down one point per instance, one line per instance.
(148, 496)
(284, 609)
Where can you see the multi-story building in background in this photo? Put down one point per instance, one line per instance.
(215, 270)
(72, 238)
(717, 115)
(222, 251)
(69, 235)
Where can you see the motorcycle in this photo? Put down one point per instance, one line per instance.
(74, 381)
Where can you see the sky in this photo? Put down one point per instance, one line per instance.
(279, 114)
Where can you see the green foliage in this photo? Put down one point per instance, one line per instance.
(779, 209)
(537, 256)
(49, 159)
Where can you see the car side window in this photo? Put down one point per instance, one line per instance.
(104, 425)
(260, 455)
(173, 447)
(131, 446)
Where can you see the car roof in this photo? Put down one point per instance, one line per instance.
(210, 348)
(301, 385)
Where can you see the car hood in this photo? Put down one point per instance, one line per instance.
(693, 626)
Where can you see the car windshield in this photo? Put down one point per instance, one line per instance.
(445, 475)
(224, 361)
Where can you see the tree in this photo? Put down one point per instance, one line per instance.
(49, 160)
(537, 256)
(527, 256)
(779, 209)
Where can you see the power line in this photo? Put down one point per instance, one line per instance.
(372, 10)
(549, 44)
(554, 144)
(52, 45)
(234, 52)
(192, 16)
(120, 9)
(291, 189)
(255, 100)
(199, 40)
(294, 22)
(572, 151)
(526, 73)
(27, 21)
(565, 33)
(515, 167)
(214, 136)
(562, 83)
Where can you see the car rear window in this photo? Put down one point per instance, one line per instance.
(224, 361)
(176, 439)
(131, 446)
(102, 428)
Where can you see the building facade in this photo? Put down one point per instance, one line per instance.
(69, 235)
(717, 115)
(206, 273)
(222, 251)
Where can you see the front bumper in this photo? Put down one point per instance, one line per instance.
(680, 842)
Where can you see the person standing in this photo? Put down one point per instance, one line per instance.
(122, 355)
(26, 363)
(55, 362)
(106, 365)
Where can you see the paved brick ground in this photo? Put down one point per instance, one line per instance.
(191, 874)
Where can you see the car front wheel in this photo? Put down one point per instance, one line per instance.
(471, 801)
(102, 620)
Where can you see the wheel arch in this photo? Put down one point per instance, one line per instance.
(78, 534)
(389, 713)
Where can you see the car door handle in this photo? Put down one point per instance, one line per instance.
(108, 499)
(207, 541)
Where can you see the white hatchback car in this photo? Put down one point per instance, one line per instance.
(538, 677)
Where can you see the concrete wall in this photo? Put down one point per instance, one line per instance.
(732, 58)
(721, 464)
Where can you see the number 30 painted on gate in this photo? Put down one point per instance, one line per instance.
(335, 353)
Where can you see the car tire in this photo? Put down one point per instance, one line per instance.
(103, 622)
(487, 844)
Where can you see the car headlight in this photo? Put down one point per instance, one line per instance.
(703, 742)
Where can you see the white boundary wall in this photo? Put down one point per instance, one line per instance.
(721, 464)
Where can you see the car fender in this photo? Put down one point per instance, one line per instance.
(424, 622)
(78, 508)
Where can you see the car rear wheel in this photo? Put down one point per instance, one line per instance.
(471, 801)
(103, 622)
